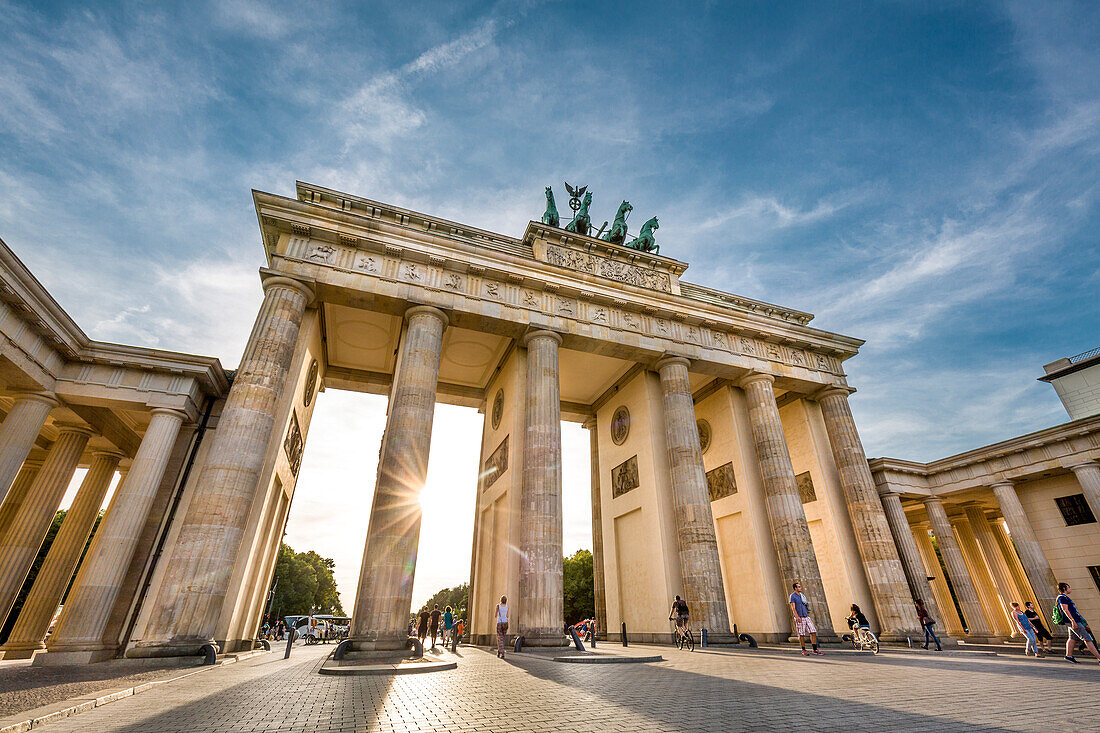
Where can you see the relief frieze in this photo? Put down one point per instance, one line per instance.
(612, 270)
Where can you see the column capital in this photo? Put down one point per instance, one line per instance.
(431, 310)
(885, 491)
(47, 397)
(1003, 483)
(839, 390)
(107, 454)
(753, 377)
(670, 359)
(73, 428)
(932, 500)
(541, 333)
(589, 423)
(1082, 464)
(273, 278)
(169, 411)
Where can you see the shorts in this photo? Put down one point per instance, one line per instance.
(1080, 632)
(681, 620)
(804, 626)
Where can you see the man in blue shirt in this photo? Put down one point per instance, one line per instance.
(1076, 623)
(803, 624)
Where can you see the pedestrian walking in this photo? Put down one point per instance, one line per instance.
(803, 624)
(448, 625)
(1041, 632)
(926, 623)
(433, 622)
(500, 615)
(1065, 612)
(422, 625)
(1025, 627)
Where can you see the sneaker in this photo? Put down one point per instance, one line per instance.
(819, 653)
(806, 653)
(1071, 659)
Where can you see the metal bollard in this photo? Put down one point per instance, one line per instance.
(703, 637)
(576, 639)
(624, 634)
(289, 642)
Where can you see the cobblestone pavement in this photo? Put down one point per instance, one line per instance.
(23, 687)
(765, 689)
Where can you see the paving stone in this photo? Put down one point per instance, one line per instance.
(711, 690)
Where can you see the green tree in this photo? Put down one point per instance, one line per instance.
(578, 590)
(458, 598)
(304, 584)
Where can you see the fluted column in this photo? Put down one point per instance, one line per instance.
(965, 591)
(30, 524)
(885, 575)
(197, 574)
(790, 532)
(949, 614)
(597, 528)
(61, 561)
(1088, 475)
(700, 564)
(980, 574)
(915, 572)
(998, 568)
(83, 622)
(1030, 552)
(18, 493)
(540, 567)
(18, 433)
(389, 557)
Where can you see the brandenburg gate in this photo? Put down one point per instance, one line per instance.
(725, 460)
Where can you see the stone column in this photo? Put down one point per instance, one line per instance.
(790, 532)
(540, 614)
(61, 561)
(32, 521)
(18, 433)
(384, 596)
(980, 574)
(80, 630)
(197, 574)
(949, 618)
(597, 529)
(1030, 552)
(700, 564)
(18, 493)
(1088, 475)
(998, 568)
(1008, 552)
(965, 592)
(915, 572)
(885, 575)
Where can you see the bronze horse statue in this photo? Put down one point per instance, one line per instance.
(550, 217)
(582, 221)
(617, 235)
(645, 242)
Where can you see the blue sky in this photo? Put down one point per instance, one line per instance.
(919, 175)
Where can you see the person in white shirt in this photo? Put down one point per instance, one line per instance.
(501, 618)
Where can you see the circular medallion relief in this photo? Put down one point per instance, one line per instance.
(704, 434)
(311, 384)
(498, 408)
(620, 425)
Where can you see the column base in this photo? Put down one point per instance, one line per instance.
(983, 639)
(175, 648)
(544, 638)
(76, 657)
(903, 637)
(21, 651)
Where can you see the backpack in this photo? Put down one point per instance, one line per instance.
(1056, 615)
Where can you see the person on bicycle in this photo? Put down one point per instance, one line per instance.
(856, 619)
(679, 612)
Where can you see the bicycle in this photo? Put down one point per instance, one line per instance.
(683, 637)
(863, 639)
